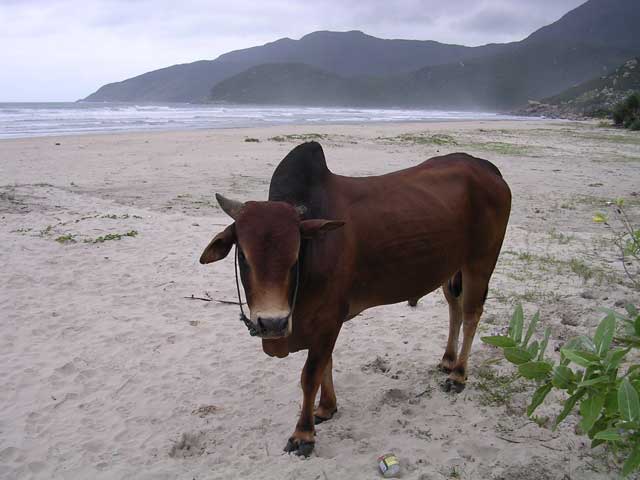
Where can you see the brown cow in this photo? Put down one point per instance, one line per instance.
(326, 247)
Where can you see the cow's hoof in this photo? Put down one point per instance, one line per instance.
(452, 386)
(413, 302)
(444, 368)
(299, 447)
(322, 417)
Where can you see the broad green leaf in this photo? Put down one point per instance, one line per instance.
(538, 397)
(615, 357)
(582, 343)
(499, 341)
(633, 461)
(596, 441)
(611, 403)
(628, 403)
(604, 334)
(562, 377)
(599, 426)
(590, 409)
(515, 326)
(535, 370)
(631, 309)
(533, 348)
(584, 359)
(569, 403)
(593, 381)
(610, 435)
(517, 355)
(614, 313)
(531, 329)
(543, 345)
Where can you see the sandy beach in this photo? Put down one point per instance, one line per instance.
(110, 371)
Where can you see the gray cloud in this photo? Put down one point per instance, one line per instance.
(65, 49)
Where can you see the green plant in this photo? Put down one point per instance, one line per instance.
(112, 236)
(304, 137)
(589, 371)
(67, 238)
(626, 237)
(560, 237)
(422, 138)
(627, 112)
(580, 268)
(503, 148)
(496, 389)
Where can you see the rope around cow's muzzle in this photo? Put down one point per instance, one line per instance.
(253, 331)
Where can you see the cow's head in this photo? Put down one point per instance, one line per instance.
(268, 237)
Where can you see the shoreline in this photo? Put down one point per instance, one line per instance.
(17, 121)
(412, 124)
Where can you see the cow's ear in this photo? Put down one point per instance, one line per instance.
(219, 247)
(311, 228)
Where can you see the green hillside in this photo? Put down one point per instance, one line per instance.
(594, 98)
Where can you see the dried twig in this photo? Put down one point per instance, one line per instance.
(552, 448)
(428, 390)
(228, 302)
(192, 297)
(508, 439)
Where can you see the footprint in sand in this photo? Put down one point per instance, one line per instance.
(189, 445)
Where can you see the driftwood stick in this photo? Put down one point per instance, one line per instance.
(228, 302)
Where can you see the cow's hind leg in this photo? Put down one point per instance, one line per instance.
(327, 405)
(474, 293)
(452, 292)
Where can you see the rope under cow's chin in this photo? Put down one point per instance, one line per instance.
(253, 331)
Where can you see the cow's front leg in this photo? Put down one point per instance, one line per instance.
(302, 441)
(327, 405)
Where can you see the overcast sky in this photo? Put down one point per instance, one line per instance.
(62, 50)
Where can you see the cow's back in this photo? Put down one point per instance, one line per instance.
(410, 230)
(405, 232)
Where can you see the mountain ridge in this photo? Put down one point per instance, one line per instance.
(590, 40)
(344, 53)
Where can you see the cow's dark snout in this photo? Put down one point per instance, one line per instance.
(273, 326)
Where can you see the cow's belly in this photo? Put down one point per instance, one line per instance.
(408, 239)
(393, 282)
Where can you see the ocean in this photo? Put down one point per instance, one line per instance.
(42, 119)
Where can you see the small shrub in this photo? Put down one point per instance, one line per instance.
(251, 140)
(591, 372)
(627, 112)
(626, 237)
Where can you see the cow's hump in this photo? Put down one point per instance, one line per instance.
(299, 178)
